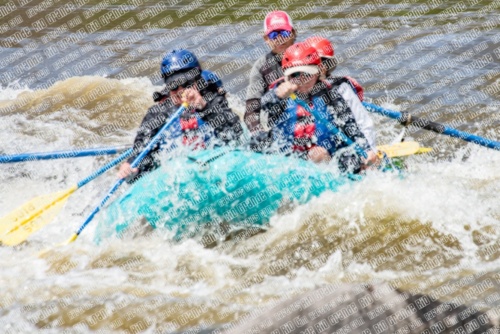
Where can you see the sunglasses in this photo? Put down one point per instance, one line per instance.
(275, 34)
(176, 84)
(298, 74)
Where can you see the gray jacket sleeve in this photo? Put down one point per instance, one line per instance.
(255, 90)
(257, 85)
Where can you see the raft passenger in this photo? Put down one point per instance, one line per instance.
(297, 131)
(208, 111)
(279, 34)
(326, 53)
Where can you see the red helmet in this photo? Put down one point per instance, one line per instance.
(322, 45)
(300, 54)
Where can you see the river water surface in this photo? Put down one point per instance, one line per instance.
(81, 74)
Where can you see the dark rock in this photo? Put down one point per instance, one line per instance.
(365, 309)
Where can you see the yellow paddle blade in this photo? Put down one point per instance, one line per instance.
(70, 240)
(18, 225)
(400, 149)
(67, 242)
(424, 150)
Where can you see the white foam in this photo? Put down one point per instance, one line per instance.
(12, 90)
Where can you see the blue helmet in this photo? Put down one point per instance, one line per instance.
(178, 60)
(211, 77)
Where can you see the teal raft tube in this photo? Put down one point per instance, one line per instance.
(216, 186)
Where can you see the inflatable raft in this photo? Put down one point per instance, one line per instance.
(217, 186)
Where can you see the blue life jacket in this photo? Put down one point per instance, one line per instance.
(322, 135)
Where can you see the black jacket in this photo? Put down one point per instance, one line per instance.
(224, 123)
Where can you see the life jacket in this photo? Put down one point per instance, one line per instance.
(272, 70)
(192, 135)
(302, 132)
(307, 131)
(190, 128)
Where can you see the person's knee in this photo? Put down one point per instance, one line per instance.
(319, 154)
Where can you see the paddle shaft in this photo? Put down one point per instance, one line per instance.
(407, 119)
(30, 217)
(5, 159)
(134, 164)
(106, 167)
(330, 126)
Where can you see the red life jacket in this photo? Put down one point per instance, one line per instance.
(190, 132)
(189, 129)
(303, 133)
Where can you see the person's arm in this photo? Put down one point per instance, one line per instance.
(275, 101)
(252, 115)
(357, 87)
(361, 116)
(255, 90)
(260, 139)
(350, 127)
(274, 106)
(150, 125)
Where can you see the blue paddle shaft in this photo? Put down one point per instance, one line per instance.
(103, 201)
(436, 127)
(331, 127)
(106, 167)
(134, 164)
(60, 154)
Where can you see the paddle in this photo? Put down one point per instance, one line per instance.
(403, 149)
(134, 164)
(389, 151)
(407, 119)
(5, 159)
(18, 225)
